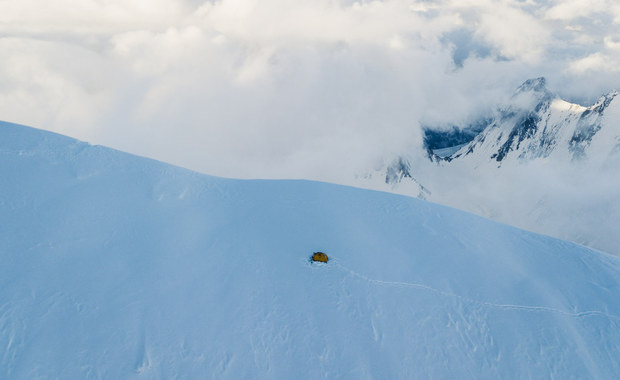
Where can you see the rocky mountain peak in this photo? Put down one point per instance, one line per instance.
(533, 85)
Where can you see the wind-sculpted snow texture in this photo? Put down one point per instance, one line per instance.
(539, 163)
(115, 266)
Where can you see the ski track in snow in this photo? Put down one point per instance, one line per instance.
(582, 314)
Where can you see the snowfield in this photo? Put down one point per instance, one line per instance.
(114, 266)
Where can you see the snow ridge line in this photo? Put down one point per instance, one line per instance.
(581, 314)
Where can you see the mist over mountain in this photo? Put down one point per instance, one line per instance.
(314, 89)
(537, 162)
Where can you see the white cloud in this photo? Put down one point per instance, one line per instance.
(516, 34)
(88, 16)
(615, 11)
(594, 62)
(279, 88)
(611, 43)
(52, 84)
(572, 9)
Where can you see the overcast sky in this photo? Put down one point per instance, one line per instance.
(278, 88)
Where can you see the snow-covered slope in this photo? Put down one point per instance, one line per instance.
(115, 266)
(538, 162)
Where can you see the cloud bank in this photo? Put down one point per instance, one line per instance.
(274, 88)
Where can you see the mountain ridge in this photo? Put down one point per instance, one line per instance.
(526, 122)
(537, 162)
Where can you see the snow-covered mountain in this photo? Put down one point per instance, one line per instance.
(538, 124)
(537, 162)
(115, 266)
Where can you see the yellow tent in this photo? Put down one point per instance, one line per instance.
(319, 256)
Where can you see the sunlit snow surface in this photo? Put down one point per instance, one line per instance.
(114, 266)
